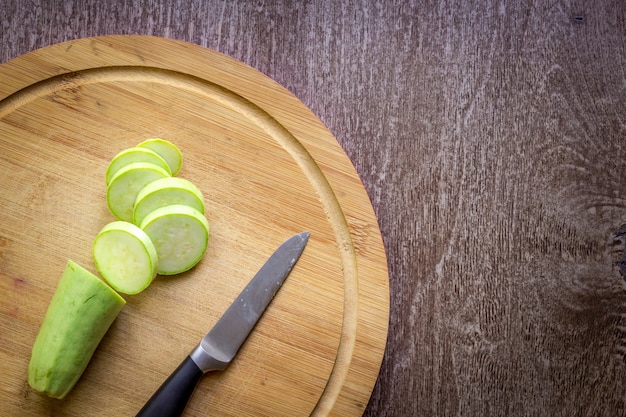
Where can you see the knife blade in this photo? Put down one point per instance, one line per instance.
(220, 345)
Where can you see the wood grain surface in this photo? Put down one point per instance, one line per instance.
(490, 136)
(268, 169)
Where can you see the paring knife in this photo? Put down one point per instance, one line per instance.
(220, 345)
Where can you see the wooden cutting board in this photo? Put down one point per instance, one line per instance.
(268, 169)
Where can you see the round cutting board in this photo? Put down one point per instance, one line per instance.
(268, 169)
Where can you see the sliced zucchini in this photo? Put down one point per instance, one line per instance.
(125, 185)
(125, 257)
(180, 235)
(166, 192)
(135, 154)
(167, 150)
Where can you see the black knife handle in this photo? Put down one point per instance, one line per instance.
(171, 398)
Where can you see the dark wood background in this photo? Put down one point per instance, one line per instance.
(491, 138)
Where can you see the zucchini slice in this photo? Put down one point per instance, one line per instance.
(180, 235)
(125, 257)
(168, 151)
(125, 185)
(131, 155)
(166, 192)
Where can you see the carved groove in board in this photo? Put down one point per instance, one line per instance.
(227, 98)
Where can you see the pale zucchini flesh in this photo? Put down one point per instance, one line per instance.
(165, 192)
(180, 235)
(125, 185)
(81, 311)
(132, 155)
(125, 257)
(167, 150)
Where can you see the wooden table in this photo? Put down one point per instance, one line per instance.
(491, 141)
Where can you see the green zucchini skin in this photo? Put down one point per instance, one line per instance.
(81, 311)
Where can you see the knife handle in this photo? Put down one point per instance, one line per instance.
(171, 398)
